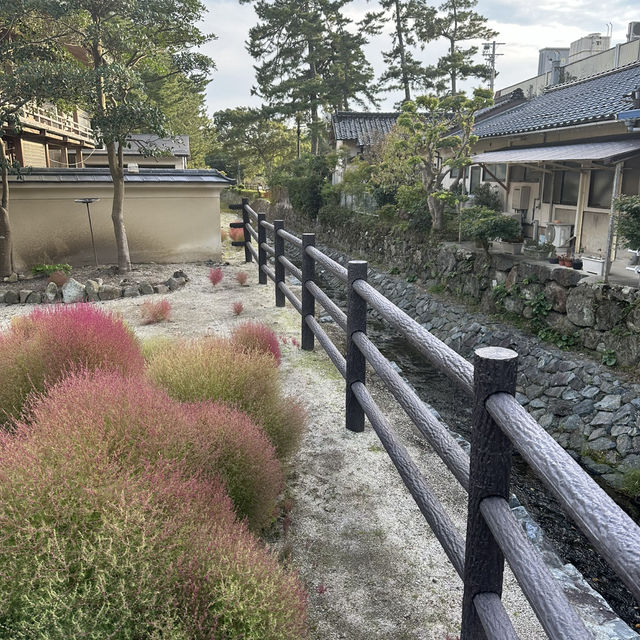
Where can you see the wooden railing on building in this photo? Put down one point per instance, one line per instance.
(500, 426)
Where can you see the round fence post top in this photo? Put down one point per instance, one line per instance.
(357, 262)
(496, 353)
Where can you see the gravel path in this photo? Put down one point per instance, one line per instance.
(372, 567)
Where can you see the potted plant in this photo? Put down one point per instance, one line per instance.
(554, 260)
(484, 225)
(576, 263)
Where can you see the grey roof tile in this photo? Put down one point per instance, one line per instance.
(594, 99)
(145, 175)
(363, 127)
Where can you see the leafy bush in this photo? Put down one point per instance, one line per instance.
(155, 311)
(254, 336)
(485, 196)
(628, 208)
(304, 180)
(46, 345)
(413, 205)
(48, 269)
(89, 549)
(219, 370)
(139, 424)
(215, 275)
(483, 224)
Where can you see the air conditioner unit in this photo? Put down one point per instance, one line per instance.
(634, 31)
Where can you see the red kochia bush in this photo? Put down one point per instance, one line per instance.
(236, 235)
(141, 423)
(44, 346)
(155, 311)
(215, 276)
(90, 548)
(254, 336)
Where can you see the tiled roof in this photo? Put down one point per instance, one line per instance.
(103, 175)
(365, 128)
(594, 99)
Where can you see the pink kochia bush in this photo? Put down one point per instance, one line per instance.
(215, 276)
(140, 424)
(46, 345)
(100, 541)
(238, 308)
(153, 312)
(222, 371)
(241, 277)
(254, 336)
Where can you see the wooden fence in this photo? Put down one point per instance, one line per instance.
(500, 426)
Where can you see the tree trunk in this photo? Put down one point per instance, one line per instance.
(436, 209)
(116, 168)
(403, 62)
(6, 243)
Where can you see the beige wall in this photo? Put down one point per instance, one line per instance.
(165, 223)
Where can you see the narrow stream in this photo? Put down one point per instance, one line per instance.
(571, 545)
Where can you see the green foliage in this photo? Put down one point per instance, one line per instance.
(483, 224)
(561, 340)
(631, 483)
(540, 307)
(485, 196)
(413, 205)
(305, 180)
(309, 55)
(628, 223)
(48, 269)
(609, 357)
(250, 145)
(422, 151)
(499, 292)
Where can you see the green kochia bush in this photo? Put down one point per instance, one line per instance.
(44, 346)
(139, 424)
(218, 370)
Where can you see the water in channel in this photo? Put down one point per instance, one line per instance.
(435, 389)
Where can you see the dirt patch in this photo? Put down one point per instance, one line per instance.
(371, 565)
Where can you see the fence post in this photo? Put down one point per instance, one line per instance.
(356, 363)
(308, 301)
(262, 254)
(247, 236)
(278, 243)
(495, 371)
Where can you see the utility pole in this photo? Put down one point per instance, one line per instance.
(489, 54)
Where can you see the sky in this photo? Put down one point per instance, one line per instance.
(524, 27)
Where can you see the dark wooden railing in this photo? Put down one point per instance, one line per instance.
(500, 425)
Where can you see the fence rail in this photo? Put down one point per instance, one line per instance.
(499, 425)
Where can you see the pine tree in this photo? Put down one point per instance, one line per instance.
(308, 59)
(404, 71)
(457, 22)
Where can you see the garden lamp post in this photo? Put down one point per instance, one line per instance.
(88, 201)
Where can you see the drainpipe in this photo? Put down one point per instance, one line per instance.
(555, 72)
(617, 178)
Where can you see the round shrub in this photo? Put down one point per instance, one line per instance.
(255, 336)
(217, 370)
(44, 346)
(140, 424)
(229, 442)
(88, 549)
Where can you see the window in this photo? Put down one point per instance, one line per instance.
(476, 174)
(498, 170)
(631, 182)
(600, 189)
(565, 187)
(455, 172)
(519, 173)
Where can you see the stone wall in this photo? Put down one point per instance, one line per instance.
(574, 309)
(590, 410)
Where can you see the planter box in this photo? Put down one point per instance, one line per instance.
(513, 248)
(593, 265)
